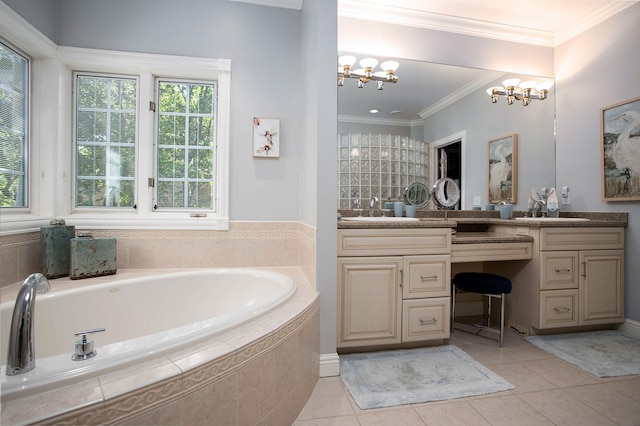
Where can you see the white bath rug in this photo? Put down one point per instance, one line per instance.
(384, 379)
(601, 353)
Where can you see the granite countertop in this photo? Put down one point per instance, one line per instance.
(489, 237)
(455, 218)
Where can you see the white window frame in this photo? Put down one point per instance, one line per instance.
(51, 147)
(148, 67)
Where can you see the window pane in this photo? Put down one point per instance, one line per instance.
(105, 141)
(185, 145)
(14, 106)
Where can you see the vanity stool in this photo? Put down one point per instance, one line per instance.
(490, 285)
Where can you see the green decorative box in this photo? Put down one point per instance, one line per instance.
(92, 257)
(55, 242)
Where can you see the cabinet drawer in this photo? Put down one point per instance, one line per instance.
(426, 276)
(426, 319)
(581, 238)
(398, 241)
(558, 270)
(558, 308)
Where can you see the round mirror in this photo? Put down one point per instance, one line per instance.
(416, 194)
(446, 193)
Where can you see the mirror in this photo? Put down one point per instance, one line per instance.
(438, 105)
(417, 194)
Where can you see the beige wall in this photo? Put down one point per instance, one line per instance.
(245, 244)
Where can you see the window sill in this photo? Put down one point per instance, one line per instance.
(30, 223)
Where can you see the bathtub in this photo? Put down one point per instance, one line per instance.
(144, 317)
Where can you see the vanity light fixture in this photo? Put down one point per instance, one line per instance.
(522, 91)
(366, 73)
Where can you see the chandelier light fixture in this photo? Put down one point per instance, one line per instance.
(366, 73)
(522, 91)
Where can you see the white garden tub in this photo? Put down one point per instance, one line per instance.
(143, 317)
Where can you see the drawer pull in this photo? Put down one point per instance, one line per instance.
(562, 310)
(563, 271)
(428, 321)
(427, 278)
(584, 269)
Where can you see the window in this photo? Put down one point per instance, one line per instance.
(105, 141)
(185, 145)
(14, 135)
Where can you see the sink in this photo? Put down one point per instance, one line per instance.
(552, 219)
(381, 219)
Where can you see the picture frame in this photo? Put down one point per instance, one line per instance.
(266, 137)
(503, 169)
(620, 151)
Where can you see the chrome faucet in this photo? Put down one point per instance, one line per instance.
(372, 203)
(22, 355)
(537, 205)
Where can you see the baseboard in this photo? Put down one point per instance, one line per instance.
(630, 327)
(329, 365)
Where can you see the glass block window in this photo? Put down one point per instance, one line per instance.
(105, 141)
(186, 145)
(14, 128)
(378, 165)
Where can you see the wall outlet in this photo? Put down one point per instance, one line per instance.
(565, 195)
(476, 200)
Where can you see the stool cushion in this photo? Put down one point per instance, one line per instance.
(480, 282)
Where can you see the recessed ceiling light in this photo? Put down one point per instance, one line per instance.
(396, 112)
(374, 111)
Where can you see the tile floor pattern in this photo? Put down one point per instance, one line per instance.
(549, 391)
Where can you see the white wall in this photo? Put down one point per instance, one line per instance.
(598, 68)
(263, 44)
(318, 162)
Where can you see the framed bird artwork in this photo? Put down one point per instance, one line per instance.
(503, 169)
(620, 151)
(266, 137)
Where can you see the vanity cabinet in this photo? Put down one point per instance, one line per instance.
(581, 276)
(575, 279)
(393, 286)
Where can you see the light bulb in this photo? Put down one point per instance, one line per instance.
(347, 60)
(389, 65)
(530, 84)
(545, 85)
(512, 82)
(368, 63)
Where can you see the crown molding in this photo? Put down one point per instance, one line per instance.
(287, 4)
(439, 22)
(379, 121)
(473, 27)
(591, 21)
(460, 93)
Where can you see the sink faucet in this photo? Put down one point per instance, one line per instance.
(21, 357)
(372, 203)
(537, 205)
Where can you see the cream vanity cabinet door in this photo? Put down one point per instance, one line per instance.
(370, 301)
(601, 286)
(581, 276)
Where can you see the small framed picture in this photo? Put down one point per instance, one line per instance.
(266, 137)
(620, 151)
(503, 169)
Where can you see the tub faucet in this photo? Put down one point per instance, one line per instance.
(372, 203)
(22, 356)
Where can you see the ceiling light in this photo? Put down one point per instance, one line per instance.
(522, 91)
(374, 111)
(367, 72)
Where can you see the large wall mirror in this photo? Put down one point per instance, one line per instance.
(438, 120)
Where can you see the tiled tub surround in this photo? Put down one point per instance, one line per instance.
(245, 244)
(260, 372)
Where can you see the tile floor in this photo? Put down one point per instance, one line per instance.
(549, 391)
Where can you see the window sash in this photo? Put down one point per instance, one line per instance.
(14, 128)
(185, 155)
(106, 110)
